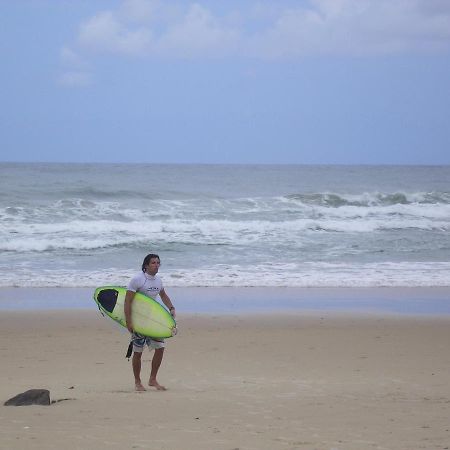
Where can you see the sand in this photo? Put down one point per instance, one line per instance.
(312, 380)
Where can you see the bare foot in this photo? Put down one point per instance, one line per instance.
(155, 384)
(139, 388)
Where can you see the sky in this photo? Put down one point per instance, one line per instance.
(270, 82)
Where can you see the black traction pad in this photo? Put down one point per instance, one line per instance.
(108, 299)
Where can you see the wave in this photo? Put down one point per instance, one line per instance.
(203, 206)
(227, 205)
(99, 194)
(86, 234)
(270, 226)
(334, 200)
(388, 274)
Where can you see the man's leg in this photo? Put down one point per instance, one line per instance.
(136, 362)
(156, 363)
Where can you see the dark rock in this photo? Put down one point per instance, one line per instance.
(30, 397)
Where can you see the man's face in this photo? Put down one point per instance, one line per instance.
(153, 266)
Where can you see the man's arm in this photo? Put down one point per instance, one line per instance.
(127, 309)
(166, 300)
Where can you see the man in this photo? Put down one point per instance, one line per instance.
(148, 283)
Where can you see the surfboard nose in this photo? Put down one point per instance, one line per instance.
(107, 298)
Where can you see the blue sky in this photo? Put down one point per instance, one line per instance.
(307, 82)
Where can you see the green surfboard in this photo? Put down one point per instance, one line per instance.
(148, 316)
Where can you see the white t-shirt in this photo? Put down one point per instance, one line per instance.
(147, 284)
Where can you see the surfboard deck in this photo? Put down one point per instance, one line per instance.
(149, 317)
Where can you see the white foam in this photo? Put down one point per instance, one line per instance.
(91, 234)
(390, 274)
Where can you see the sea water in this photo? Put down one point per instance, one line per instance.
(84, 225)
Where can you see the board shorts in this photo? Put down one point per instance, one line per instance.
(139, 342)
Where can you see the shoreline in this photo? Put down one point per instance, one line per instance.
(241, 300)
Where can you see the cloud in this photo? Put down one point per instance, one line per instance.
(138, 10)
(76, 71)
(69, 58)
(199, 33)
(354, 27)
(107, 33)
(152, 28)
(75, 79)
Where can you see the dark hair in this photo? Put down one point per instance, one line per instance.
(147, 260)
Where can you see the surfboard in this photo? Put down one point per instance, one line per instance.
(149, 317)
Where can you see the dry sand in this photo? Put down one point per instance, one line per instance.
(299, 381)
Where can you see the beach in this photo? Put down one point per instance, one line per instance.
(283, 167)
(294, 379)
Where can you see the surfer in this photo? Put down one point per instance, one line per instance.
(148, 283)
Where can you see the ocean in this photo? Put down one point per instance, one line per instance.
(85, 225)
